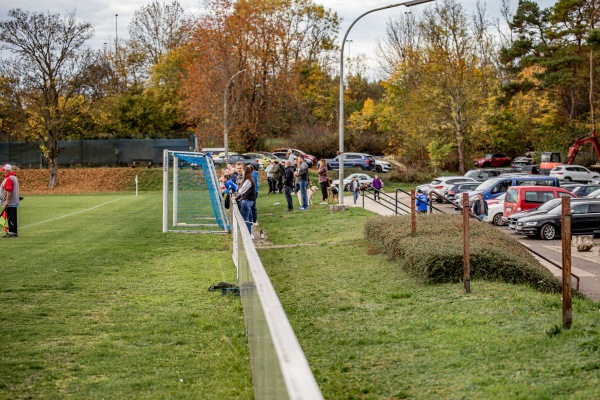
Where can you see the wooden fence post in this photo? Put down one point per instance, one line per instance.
(566, 262)
(466, 243)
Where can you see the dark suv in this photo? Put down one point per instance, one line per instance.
(585, 220)
(353, 160)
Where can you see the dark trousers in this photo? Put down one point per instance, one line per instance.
(272, 185)
(376, 194)
(288, 196)
(11, 218)
(324, 186)
(254, 212)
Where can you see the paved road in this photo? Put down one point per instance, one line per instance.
(585, 265)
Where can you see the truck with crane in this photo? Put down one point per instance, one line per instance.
(550, 160)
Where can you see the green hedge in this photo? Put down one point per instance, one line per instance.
(434, 255)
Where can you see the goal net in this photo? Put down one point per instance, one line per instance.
(192, 200)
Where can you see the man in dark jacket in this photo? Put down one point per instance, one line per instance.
(288, 184)
(303, 177)
(480, 208)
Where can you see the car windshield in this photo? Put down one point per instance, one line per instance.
(550, 204)
(472, 173)
(487, 185)
(595, 193)
(488, 156)
(511, 196)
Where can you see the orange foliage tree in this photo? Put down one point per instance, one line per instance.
(270, 40)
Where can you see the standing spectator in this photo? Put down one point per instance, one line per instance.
(421, 201)
(291, 157)
(276, 175)
(354, 188)
(323, 179)
(256, 185)
(480, 208)
(377, 184)
(281, 173)
(288, 185)
(269, 170)
(303, 177)
(247, 195)
(9, 197)
(239, 179)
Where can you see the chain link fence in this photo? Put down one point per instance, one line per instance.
(93, 152)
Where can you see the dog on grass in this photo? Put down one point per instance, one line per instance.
(332, 194)
(310, 191)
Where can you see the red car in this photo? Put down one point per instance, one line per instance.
(492, 160)
(297, 153)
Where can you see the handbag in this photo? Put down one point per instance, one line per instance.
(227, 201)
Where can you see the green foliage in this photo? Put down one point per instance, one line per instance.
(412, 175)
(435, 254)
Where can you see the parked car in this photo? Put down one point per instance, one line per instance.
(440, 184)
(522, 198)
(381, 165)
(523, 160)
(353, 160)
(281, 155)
(262, 157)
(492, 160)
(575, 173)
(495, 210)
(453, 192)
(310, 160)
(543, 209)
(585, 220)
(234, 158)
(533, 169)
(496, 186)
(482, 175)
(583, 190)
(362, 178)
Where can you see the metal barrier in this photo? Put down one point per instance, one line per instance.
(279, 367)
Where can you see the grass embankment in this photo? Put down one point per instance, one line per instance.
(372, 331)
(96, 302)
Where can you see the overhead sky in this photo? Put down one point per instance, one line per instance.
(364, 36)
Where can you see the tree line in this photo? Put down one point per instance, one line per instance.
(456, 83)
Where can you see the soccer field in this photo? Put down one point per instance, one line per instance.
(96, 302)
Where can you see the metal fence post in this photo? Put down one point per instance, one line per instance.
(413, 214)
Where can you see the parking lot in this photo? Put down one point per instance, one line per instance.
(586, 265)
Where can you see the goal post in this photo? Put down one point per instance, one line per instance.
(192, 200)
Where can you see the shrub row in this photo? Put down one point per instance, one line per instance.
(435, 254)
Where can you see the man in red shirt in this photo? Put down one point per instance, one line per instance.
(9, 197)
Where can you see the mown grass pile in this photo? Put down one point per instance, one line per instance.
(435, 253)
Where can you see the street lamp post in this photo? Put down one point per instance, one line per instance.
(341, 122)
(225, 122)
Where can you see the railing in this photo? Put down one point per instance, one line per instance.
(385, 200)
(279, 367)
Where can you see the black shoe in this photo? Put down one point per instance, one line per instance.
(290, 210)
(10, 235)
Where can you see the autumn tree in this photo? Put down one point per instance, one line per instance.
(273, 41)
(48, 69)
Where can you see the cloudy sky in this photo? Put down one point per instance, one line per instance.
(364, 35)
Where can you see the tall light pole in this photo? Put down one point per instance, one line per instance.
(341, 122)
(116, 33)
(225, 122)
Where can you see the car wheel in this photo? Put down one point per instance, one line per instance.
(548, 232)
(497, 220)
(568, 178)
(378, 168)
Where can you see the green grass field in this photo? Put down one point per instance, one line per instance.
(96, 302)
(370, 331)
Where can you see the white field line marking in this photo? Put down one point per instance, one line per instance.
(71, 214)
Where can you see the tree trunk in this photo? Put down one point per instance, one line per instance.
(460, 144)
(53, 163)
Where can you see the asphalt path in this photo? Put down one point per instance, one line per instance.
(585, 265)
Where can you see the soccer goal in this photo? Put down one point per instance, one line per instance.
(192, 200)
